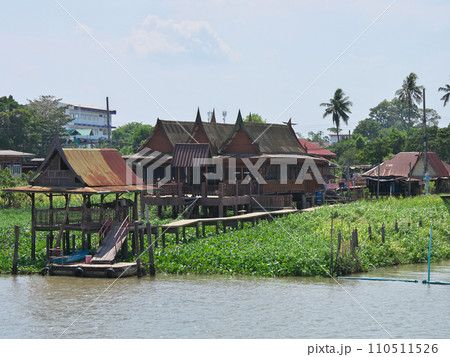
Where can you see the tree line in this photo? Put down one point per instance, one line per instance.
(31, 127)
(391, 127)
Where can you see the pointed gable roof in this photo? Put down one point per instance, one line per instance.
(170, 132)
(213, 116)
(240, 139)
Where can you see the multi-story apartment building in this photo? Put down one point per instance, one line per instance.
(89, 124)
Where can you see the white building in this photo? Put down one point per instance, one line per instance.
(89, 124)
(334, 138)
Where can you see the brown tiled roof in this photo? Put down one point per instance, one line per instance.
(184, 154)
(177, 131)
(274, 138)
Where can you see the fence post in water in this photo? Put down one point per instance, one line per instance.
(151, 259)
(339, 241)
(352, 242)
(16, 250)
(136, 246)
(331, 248)
(429, 253)
(382, 234)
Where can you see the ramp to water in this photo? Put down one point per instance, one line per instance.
(107, 251)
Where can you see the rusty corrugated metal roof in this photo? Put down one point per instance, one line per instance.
(101, 167)
(184, 154)
(398, 165)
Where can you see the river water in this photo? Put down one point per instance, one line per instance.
(227, 307)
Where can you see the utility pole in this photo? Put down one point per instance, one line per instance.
(108, 121)
(425, 166)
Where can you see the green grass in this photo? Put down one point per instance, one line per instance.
(295, 245)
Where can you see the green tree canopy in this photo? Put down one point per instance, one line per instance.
(338, 108)
(410, 93)
(446, 96)
(394, 113)
(48, 118)
(368, 128)
(127, 138)
(16, 126)
(318, 137)
(256, 118)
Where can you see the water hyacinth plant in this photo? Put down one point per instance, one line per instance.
(299, 244)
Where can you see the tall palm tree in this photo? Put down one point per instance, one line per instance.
(446, 96)
(338, 108)
(410, 93)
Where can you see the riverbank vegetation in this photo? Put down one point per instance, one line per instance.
(298, 244)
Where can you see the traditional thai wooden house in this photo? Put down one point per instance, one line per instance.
(78, 175)
(242, 166)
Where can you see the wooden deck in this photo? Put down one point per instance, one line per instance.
(231, 221)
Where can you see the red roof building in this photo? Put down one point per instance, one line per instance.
(314, 149)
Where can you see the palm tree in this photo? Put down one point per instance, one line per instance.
(410, 93)
(338, 108)
(446, 96)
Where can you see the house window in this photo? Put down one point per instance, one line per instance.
(17, 169)
(271, 172)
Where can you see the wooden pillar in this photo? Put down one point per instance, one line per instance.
(125, 248)
(67, 238)
(33, 226)
(83, 222)
(102, 213)
(159, 213)
(382, 234)
(141, 240)
(16, 250)
(47, 246)
(221, 189)
(136, 244)
(73, 243)
(116, 210)
(151, 259)
(51, 239)
(50, 218)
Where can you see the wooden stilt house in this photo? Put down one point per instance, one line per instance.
(86, 178)
(242, 166)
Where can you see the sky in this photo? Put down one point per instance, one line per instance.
(277, 58)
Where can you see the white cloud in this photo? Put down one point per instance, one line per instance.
(156, 35)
